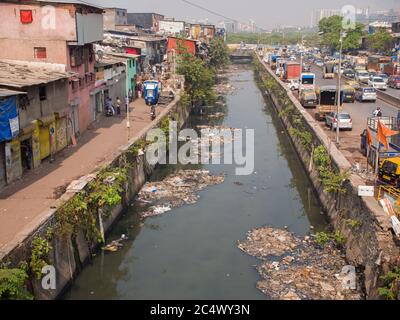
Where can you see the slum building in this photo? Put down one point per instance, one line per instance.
(60, 32)
(150, 48)
(148, 21)
(35, 119)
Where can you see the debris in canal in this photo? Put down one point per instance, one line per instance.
(176, 190)
(299, 269)
(115, 245)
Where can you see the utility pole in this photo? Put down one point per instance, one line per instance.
(339, 94)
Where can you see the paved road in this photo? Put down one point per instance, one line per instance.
(393, 92)
(350, 140)
(25, 202)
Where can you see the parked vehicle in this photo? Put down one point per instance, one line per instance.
(329, 70)
(362, 76)
(389, 171)
(151, 92)
(349, 94)
(394, 82)
(372, 73)
(319, 63)
(366, 94)
(349, 73)
(377, 83)
(327, 101)
(308, 98)
(344, 120)
(294, 84)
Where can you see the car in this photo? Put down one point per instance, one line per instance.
(319, 63)
(377, 83)
(394, 82)
(337, 70)
(292, 58)
(345, 121)
(366, 94)
(306, 68)
(294, 84)
(362, 76)
(349, 73)
(384, 76)
(372, 73)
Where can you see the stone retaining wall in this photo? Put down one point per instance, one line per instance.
(371, 245)
(69, 254)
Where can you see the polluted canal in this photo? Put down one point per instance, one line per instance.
(196, 248)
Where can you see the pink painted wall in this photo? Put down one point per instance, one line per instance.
(42, 27)
(81, 96)
(24, 50)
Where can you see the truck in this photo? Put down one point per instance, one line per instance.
(291, 71)
(329, 70)
(377, 63)
(307, 81)
(327, 101)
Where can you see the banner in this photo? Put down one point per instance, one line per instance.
(9, 126)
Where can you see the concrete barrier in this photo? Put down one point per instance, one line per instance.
(388, 98)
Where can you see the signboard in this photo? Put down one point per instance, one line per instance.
(172, 27)
(366, 191)
(14, 126)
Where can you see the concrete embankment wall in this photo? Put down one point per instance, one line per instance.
(69, 254)
(370, 244)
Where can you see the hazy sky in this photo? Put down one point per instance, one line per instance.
(266, 13)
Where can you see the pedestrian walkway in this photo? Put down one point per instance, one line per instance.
(26, 200)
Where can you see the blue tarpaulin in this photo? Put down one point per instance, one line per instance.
(8, 118)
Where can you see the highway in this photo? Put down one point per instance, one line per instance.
(350, 140)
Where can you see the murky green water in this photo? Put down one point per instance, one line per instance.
(191, 252)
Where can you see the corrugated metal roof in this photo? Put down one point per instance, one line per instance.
(7, 92)
(19, 74)
(84, 3)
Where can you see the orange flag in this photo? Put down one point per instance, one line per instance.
(369, 137)
(383, 133)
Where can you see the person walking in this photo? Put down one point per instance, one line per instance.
(118, 105)
(377, 112)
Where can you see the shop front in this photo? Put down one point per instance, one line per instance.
(47, 130)
(61, 135)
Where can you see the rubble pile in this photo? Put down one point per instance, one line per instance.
(299, 269)
(176, 190)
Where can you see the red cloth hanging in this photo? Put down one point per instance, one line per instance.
(26, 16)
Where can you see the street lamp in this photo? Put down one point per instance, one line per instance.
(339, 91)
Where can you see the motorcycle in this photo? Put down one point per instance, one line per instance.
(153, 112)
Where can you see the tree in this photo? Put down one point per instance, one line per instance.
(199, 79)
(380, 41)
(331, 28)
(218, 53)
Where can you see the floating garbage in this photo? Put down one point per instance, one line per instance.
(176, 190)
(298, 269)
(115, 245)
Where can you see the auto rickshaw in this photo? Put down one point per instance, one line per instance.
(349, 94)
(389, 171)
(151, 92)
